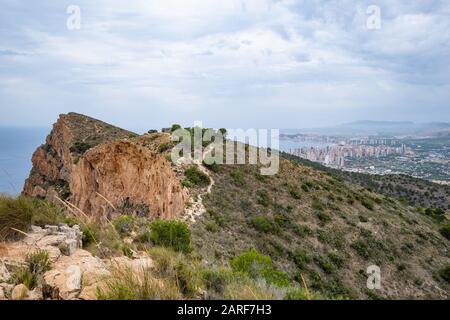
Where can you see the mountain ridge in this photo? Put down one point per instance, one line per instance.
(313, 224)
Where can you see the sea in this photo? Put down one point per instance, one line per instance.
(16, 148)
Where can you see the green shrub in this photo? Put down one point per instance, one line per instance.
(324, 217)
(367, 203)
(211, 226)
(336, 259)
(301, 259)
(363, 218)
(263, 224)
(282, 220)
(238, 176)
(445, 273)
(361, 248)
(175, 127)
(196, 177)
(302, 231)
(435, 213)
(317, 205)
(257, 265)
(324, 264)
(263, 198)
(218, 218)
(214, 167)
(164, 147)
(124, 224)
(295, 194)
(216, 279)
(445, 231)
(172, 234)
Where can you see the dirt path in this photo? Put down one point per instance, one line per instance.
(196, 207)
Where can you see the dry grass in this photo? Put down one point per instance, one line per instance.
(125, 284)
(18, 214)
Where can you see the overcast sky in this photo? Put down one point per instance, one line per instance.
(232, 63)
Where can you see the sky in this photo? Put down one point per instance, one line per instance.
(235, 63)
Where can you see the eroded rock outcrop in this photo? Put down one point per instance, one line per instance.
(104, 170)
(74, 274)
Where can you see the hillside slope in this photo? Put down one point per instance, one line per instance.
(414, 191)
(318, 226)
(328, 230)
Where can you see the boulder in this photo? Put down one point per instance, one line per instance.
(68, 246)
(36, 294)
(62, 284)
(20, 292)
(70, 274)
(93, 279)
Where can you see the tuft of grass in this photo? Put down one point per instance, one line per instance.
(22, 275)
(18, 214)
(295, 193)
(124, 284)
(216, 279)
(37, 263)
(178, 267)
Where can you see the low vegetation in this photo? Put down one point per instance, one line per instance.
(195, 177)
(37, 264)
(18, 214)
(172, 234)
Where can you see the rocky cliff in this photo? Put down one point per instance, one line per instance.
(104, 170)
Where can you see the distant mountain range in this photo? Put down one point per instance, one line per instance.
(381, 128)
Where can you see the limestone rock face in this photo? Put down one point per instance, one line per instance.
(123, 168)
(104, 170)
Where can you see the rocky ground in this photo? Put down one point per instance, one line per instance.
(75, 274)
